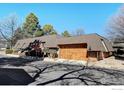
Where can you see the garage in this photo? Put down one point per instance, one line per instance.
(73, 51)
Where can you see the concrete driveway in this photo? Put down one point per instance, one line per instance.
(55, 73)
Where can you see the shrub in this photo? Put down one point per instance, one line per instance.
(15, 51)
(54, 55)
(51, 52)
(9, 51)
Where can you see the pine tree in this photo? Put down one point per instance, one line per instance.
(31, 25)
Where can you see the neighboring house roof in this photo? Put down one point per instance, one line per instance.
(118, 44)
(50, 41)
(95, 42)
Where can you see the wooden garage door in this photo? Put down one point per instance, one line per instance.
(73, 51)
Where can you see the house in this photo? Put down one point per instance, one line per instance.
(118, 47)
(83, 47)
(3, 44)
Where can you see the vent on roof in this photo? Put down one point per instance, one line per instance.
(103, 43)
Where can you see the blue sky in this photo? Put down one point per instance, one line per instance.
(90, 17)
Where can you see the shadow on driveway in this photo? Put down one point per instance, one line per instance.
(14, 61)
(10, 76)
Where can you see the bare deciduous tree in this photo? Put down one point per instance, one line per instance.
(7, 29)
(115, 28)
(78, 32)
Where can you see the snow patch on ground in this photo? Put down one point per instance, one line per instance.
(65, 61)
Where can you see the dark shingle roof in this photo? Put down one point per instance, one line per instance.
(51, 41)
(94, 42)
(118, 44)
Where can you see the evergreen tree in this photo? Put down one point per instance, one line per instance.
(31, 25)
(47, 29)
(66, 34)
